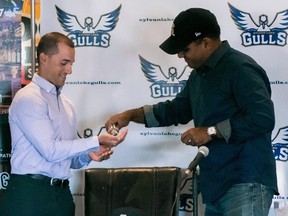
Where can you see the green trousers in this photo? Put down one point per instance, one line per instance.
(25, 196)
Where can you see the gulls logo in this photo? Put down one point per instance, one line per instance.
(164, 85)
(186, 196)
(280, 144)
(89, 33)
(262, 32)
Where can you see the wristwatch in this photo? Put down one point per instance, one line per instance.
(211, 131)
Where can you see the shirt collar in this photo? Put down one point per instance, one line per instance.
(217, 55)
(45, 85)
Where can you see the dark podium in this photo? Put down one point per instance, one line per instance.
(136, 191)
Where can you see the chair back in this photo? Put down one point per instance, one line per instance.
(136, 191)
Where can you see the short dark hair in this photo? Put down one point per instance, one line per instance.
(48, 43)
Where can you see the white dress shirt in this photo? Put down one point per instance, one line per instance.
(44, 133)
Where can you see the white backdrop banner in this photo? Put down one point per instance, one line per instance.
(109, 74)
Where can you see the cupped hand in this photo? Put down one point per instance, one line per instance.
(102, 154)
(110, 141)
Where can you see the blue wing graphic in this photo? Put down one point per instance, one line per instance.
(281, 137)
(107, 22)
(280, 22)
(68, 21)
(185, 74)
(242, 19)
(152, 72)
(280, 144)
(187, 189)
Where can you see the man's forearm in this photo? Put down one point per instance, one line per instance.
(136, 115)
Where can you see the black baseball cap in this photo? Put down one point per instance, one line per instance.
(188, 26)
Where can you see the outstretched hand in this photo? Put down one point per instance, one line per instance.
(119, 120)
(122, 119)
(110, 141)
(102, 154)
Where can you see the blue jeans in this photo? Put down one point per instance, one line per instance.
(247, 199)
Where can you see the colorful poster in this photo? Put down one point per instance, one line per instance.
(26, 69)
(10, 63)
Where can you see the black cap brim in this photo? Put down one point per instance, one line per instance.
(172, 46)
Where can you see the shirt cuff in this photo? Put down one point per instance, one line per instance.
(85, 159)
(224, 128)
(151, 121)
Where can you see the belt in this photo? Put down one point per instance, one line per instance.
(50, 181)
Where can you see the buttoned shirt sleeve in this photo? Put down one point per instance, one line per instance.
(150, 119)
(54, 141)
(224, 128)
(44, 134)
(230, 90)
(253, 110)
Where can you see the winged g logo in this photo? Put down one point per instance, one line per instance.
(261, 32)
(89, 32)
(164, 84)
